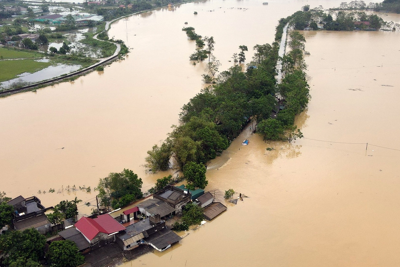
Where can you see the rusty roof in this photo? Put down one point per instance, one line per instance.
(214, 210)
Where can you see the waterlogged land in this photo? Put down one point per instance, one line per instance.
(311, 203)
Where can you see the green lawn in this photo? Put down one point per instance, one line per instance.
(11, 53)
(11, 68)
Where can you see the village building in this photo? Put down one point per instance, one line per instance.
(30, 213)
(99, 231)
(150, 231)
(174, 196)
(52, 19)
(155, 207)
(33, 37)
(205, 199)
(213, 210)
(194, 193)
(130, 214)
(77, 237)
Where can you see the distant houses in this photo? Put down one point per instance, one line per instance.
(30, 213)
(142, 225)
(80, 19)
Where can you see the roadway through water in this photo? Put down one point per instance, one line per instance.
(322, 201)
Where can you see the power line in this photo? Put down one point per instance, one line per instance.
(326, 141)
(350, 143)
(395, 149)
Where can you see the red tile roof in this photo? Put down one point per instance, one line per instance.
(132, 210)
(90, 228)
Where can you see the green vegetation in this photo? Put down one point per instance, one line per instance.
(217, 115)
(192, 215)
(6, 214)
(7, 53)
(120, 189)
(100, 68)
(64, 254)
(294, 89)
(64, 210)
(22, 248)
(345, 21)
(195, 175)
(161, 183)
(106, 49)
(10, 69)
(229, 193)
(200, 54)
(389, 6)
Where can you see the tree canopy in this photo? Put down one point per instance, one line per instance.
(195, 175)
(6, 214)
(64, 253)
(120, 189)
(22, 246)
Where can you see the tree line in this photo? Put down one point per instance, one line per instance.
(340, 21)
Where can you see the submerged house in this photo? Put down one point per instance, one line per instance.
(151, 207)
(101, 230)
(174, 196)
(205, 200)
(30, 213)
(150, 231)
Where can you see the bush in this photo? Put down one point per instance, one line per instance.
(100, 68)
(229, 193)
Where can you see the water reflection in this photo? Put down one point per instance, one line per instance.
(44, 74)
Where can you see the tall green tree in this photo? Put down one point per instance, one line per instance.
(118, 185)
(242, 55)
(6, 214)
(195, 175)
(64, 253)
(17, 246)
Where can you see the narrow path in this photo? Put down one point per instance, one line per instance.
(281, 54)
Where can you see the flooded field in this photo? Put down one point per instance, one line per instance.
(44, 74)
(315, 202)
(325, 200)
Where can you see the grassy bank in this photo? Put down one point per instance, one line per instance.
(12, 68)
(106, 48)
(6, 53)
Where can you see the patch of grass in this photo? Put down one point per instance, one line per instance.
(11, 68)
(11, 53)
(106, 48)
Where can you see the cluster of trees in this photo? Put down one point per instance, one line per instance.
(110, 14)
(64, 210)
(344, 21)
(69, 24)
(200, 54)
(389, 6)
(192, 214)
(120, 189)
(63, 49)
(6, 211)
(348, 21)
(28, 248)
(214, 117)
(295, 91)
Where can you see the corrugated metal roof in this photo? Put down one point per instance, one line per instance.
(214, 210)
(130, 211)
(103, 223)
(75, 236)
(163, 238)
(16, 200)
(195, 193)
(205, 197)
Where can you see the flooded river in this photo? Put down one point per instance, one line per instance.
(324, 200)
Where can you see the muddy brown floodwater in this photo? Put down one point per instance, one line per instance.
(322, 201)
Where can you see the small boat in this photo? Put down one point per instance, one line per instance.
(245, 142)
(265, 3)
